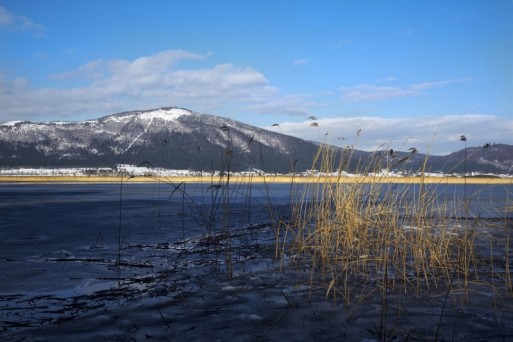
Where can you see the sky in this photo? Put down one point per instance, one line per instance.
(368, 74)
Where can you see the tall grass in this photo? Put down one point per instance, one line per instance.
(381, 235)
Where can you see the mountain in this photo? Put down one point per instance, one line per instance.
(175, 138)
(491, 158)
(494, 159)
(171, 138)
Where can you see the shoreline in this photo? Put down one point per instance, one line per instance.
(251, 179)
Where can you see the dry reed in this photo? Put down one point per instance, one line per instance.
(376, 232)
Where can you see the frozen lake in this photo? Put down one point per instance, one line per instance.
(64, 244)
(39, 223)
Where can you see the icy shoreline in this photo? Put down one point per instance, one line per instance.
(193, 298)
(138, 171)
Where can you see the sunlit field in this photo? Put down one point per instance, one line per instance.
(259, 179)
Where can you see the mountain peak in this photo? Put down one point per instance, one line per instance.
(166, 114)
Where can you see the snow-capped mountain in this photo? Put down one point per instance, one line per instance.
(175, 138)
(172, 138)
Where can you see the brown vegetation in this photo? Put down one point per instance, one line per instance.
(260, 179)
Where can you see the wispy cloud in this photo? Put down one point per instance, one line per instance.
(120, 68)
(299, 62)
(408, 32)
(432, 135)
(297, 105)
(149, 81)
(341, 43)
(371, 92)
(428, 85)
(15, 22)
(5, 17)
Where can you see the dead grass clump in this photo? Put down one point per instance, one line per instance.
(383, 235)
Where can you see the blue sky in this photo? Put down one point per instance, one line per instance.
(407, 73)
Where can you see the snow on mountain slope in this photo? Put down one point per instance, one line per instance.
(175, 137)
(168, 114)
(10, 123)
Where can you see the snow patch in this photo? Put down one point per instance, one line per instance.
(10, 123)
(115, 118)
(168, 114)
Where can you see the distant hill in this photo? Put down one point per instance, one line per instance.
(496, 158)
(167, 137)
(176, 138)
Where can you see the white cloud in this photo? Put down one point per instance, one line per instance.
(11, 21)
(91, 70)
(299, 62)
(115, 69)
(5, 17)
(428, 85)
(110, 86)
(149, 81)
(433, 135)
(276, 103)
(371, 92)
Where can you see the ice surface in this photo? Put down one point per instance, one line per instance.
(59, 280)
